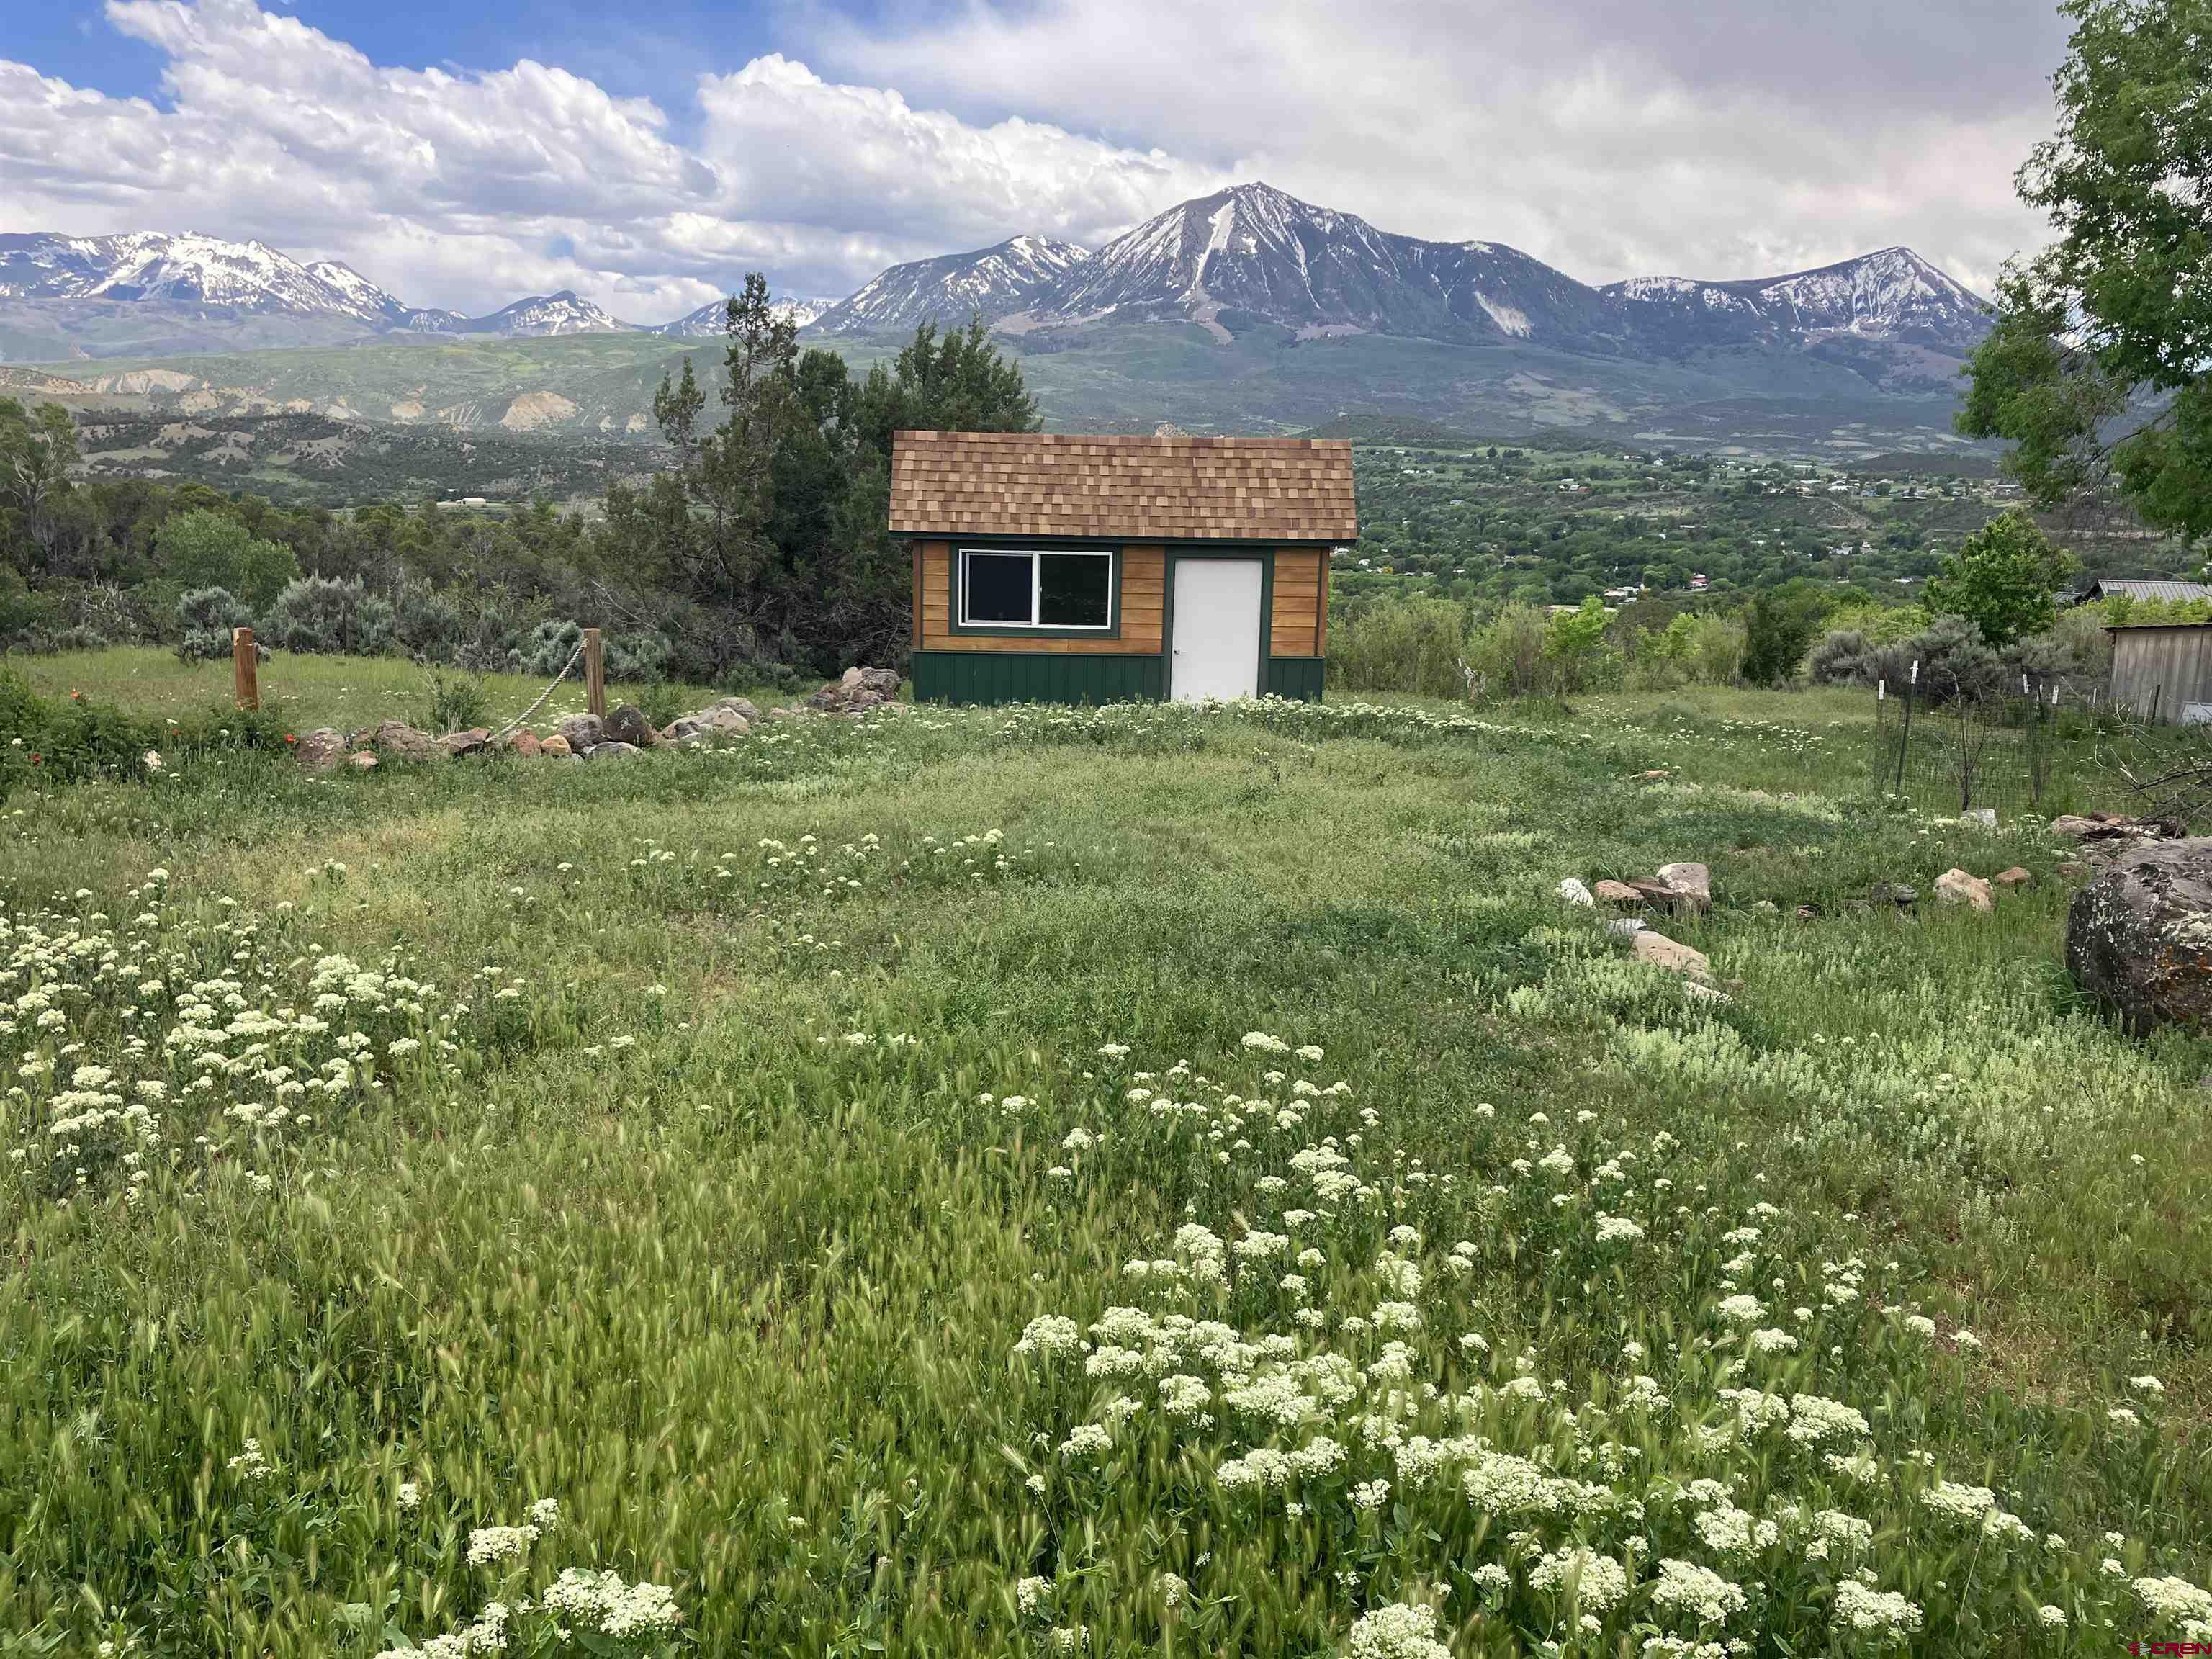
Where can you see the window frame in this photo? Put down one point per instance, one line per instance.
(960, 622)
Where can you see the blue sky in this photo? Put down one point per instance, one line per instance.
(650, 49)
(647, 153)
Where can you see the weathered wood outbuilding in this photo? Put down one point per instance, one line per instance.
(1057, 568)
(2163, 671)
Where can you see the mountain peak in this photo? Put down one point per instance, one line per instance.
(993, 282)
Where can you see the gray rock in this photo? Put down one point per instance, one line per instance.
(580, 732)
(465, 743)
(1625, 926)
(1893, 892)
(1690, 885)
(397, 740)
(611, 751)
(2139, 937)
(626, 723)
(741, 706)
(1574, 892)
(320, 749)
(1984, 816)
(883, 681)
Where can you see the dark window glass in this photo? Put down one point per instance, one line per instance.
(999, 587)
(1074, 590)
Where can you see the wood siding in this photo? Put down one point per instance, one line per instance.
(2160, 670)
(1301, 603)
(1144, 584)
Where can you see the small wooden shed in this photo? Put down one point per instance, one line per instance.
(2163, 671)
(1057, 568)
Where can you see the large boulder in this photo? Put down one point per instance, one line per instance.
(320, 749)
(2139, 937)
(580, 732)
(626, 723)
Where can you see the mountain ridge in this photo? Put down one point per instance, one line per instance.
(1246, 256)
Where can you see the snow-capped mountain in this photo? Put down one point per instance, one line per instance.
(1253, 253)
(543, 313)
(1892, 296)
(992, 283)
(706, 322)
(150, 268)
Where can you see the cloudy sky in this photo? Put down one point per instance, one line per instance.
(647, 153)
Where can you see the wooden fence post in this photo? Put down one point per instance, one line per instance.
(245, 675)
(595, 673)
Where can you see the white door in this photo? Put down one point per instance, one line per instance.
(1216, 629)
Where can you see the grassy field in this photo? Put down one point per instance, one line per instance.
(305, 691)
(1050, 1181)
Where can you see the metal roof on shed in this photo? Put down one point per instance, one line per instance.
(2158, 592)
(1122, 488)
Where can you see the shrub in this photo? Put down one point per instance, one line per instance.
(1777, 629)
(660, 703)
(428, 624)
(1843, 657)
(1575, 648)
(1405, 645)
(456, 702)
(547, 650)
(206, 616)
(1507, 652)
(317, 613)
(64, 739)
(1955, 661)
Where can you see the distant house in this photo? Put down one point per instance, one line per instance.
(2144, 593)
(1057, 568)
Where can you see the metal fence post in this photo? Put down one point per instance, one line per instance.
(1904, 736)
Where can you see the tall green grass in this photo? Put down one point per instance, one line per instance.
(808, 1103)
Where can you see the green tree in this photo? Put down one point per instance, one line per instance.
(2113, 321)
(2004, 578)
(204, 549)
(38, 454)
(1779, 626)
(1574, 643)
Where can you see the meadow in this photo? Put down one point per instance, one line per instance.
(1047, 1181)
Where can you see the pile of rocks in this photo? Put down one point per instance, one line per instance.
(1679, 889)
(625, 730)
(859, 690)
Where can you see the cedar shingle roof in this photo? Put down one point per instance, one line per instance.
(1174, 488)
